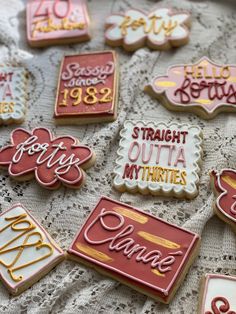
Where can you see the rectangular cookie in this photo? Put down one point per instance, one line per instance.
(217, 294)
(52, 22)
(159, 159)
(87, 88)
(136, 248)
(13, 95)
(27, 252)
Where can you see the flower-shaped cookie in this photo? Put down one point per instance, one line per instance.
(161, 29)
(52, 160)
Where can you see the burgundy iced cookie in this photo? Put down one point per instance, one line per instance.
(87, 88)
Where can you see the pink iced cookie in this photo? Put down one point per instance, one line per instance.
(161, 29)
(57, 22)
(52, 160)
(205, 88)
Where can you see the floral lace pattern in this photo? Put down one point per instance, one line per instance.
(71, 287)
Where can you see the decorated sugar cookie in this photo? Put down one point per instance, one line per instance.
(87, 88)
(224, 185)
(161, 29)
(27, 252)
(159, 159)
(57, 22)
(136, 248)
(13, 81)
(218, 295)
(52, 160)
(205, 88)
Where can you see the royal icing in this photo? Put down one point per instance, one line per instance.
(26, 250)
(225, 186)
(55, 20)
(219, 295)
(158, 158)
(205, 88)
(135, 247)
(162, 28)
(52, 160)
(12, 94)
(87, 88)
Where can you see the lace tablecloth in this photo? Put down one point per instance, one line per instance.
(71, 287)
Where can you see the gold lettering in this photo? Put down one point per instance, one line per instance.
(22, 223)
(156, 25)
(163, 175)
(49, 26)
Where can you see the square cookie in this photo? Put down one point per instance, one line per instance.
(13, 82)
(136, 248)
(51, 22)
(87, 88)
(218, 294)
(27, 252)
(159, 159)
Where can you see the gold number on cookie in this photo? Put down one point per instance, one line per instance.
(63, 103)
(76, 93)
(106, 92)
(57, 4)
(91, 97)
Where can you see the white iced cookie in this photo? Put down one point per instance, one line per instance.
(27, 252)
(161, 29)
(159, 159)
(13, 82)
(217, 295)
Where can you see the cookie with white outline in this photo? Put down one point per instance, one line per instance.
(160, 29)
(51, 160)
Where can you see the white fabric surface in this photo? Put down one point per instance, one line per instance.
(73, 288)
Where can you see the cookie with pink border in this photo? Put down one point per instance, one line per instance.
(160, 29)
(51, 160)
(51, 22)
(87, 88)
(136, 248)
(224, 186)
(27, 252)
(217, 295)
(159, 159)
(204, 88)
